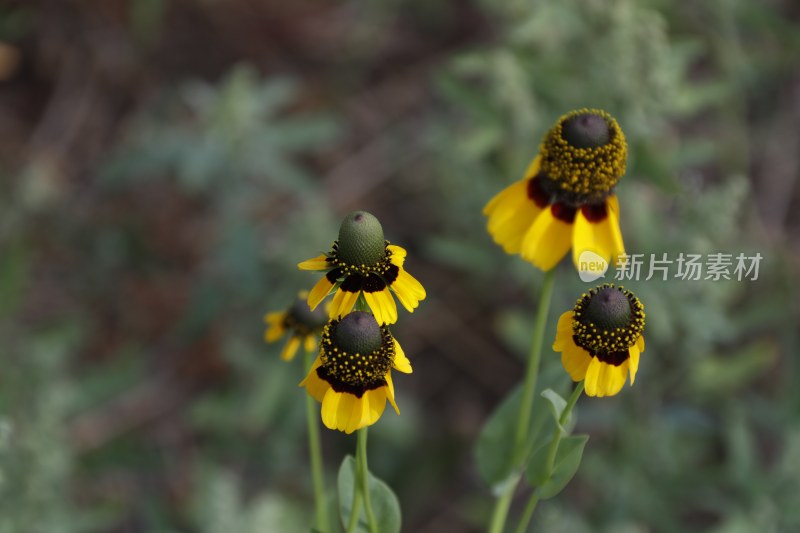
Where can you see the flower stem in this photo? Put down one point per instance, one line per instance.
(315, 453)
(363, 478)
(528, 513)
(551, 454)
(520, 449)
(355, 511)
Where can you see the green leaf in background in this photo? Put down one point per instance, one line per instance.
(494, 450)
(557, 404)
(723, 373)
(384, 502)
(567, 461)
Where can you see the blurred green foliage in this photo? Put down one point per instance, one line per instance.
(137, 393)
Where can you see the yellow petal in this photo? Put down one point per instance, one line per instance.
(316, 386)
(276, 317)
(319, 292)
(592, 375)
(576, 361)
(310, 343)
(511, 213)
(602, 238)
(408, 290)
(390, 392)
(400, 361)
(498, 199)
(376, 400)
(640, 343)
(316, 263)
(382, 305)
(274, 333)
(398, 255)
(290, 348)
(343, 302)
(547, 241)
(354, 412)
(342, 411)
(563, 332)
(615, 377)
(330, 408)
(633, 361)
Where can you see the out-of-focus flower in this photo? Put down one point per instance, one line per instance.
(566, 199)
(303, 325)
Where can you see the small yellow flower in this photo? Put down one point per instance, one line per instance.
(566, 199)
(304, 326)
(352, 376)
(362, 263)
(600, 340)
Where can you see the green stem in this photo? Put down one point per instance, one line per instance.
(520, 449)
(355, 511)
(532, 372)
(528, 513)
(315, 453)
(501, 507)
(551, 455)
(363, 478)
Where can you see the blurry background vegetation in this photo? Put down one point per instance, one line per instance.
(164, 164)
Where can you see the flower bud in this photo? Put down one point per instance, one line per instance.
(361, 240)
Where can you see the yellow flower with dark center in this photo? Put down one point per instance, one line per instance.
(600, 340)
(362, 263)
(304, 326)
(352, 376)
(566, 199)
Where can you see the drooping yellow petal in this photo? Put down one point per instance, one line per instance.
(592, 375)
(603, 237)
(319, 292)
(511, 213)
(547, 241)
(275, 317)
(290, 348)
(330, 408)
(400, 361)
(382, 305)
(316, 263)
(316, 386)
(531, 171)
(601, 385)
(354, 411)
(343, 302)
(408, 290)
(343, 411)
(563, 332)
(616, 235)
(615, 377)
(576, 361)
(640, 343)
(633, 360)
(276, 328)
(310, 343)
(390, 392)
(398, 255)
(376, 401)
